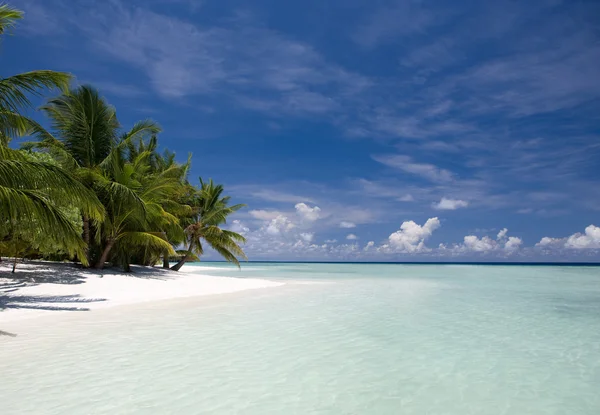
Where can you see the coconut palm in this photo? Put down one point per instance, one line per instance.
(16, 90)
(211, 209)
(30, 189)
(30, 195)
(164, 166)
(85, 134)
(133, 199)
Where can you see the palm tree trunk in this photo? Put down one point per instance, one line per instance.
(166, 260)
(183, 260)
(86, 236)
(15, 256)
(127, 267)
(104, 257)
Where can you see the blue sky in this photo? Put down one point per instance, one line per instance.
(359, 130)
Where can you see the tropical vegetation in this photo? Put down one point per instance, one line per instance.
(90, 190)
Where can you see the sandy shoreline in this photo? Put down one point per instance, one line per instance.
(44, 289)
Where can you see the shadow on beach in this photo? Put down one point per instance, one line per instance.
(41, 272)
(44, 272)
(45, 302)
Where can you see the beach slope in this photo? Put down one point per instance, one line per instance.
(41, 288)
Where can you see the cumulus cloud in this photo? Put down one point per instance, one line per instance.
(279, 225)
(589, 239)
(307, 236)
(347, 225)
(369, 245)
(308, 213)
(411, 237)
(513, 244)
(485, 244)
(351, 237)
(450, 204)
(549, 242)
(331, 241)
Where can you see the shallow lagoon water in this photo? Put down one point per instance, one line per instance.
(336, 339)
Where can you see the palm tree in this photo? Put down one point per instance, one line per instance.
(29, 191)
(164, 167)
(16, 90)
(133, 200)
(87, 133)
(210, 212)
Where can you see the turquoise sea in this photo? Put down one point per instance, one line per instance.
(336, 339)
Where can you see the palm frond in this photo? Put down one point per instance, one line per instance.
(20, 174)
(15, 90)
(141, 130)
(22, 206)
(152, 240)
(8, 17)
(85, 123)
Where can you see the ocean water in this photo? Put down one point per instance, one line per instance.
(336, 339)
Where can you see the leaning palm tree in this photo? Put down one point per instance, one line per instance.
(16, 90)
(210, 212)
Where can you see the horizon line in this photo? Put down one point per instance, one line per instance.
(524, 263)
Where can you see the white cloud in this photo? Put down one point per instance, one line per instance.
(513, 244)
(549, 242)
(279, 225)
(331, 241)
(450, 204)
(351, 237)
(369, 245)
(406, 164)
(411, 237)
(347, 225)
(308, 213)
(485, 244)
(406, 198)
(590, 239)
(307, 236)
(261, 69)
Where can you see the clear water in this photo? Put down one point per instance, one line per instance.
(337, 339)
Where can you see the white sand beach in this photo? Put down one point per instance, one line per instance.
(45, 288)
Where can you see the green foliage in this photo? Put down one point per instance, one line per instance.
(91, 190)
(34, 200)
(210, 211)
(16, 91)
(8, 17)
